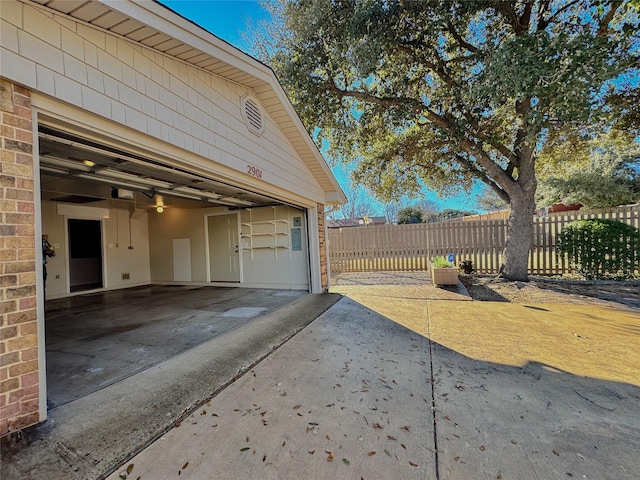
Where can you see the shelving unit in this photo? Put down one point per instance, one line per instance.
(265, 234)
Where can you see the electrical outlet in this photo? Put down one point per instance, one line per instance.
(126, 276)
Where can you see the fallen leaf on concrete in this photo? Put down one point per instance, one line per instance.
(371, 454)
(264, 458)
(413, 464)
(312, 423)
(244, 449)
(556, 453)
(330, 457)
(406, 427)
(403, 446)
(387, 452)
(204, 412)
(327, 437)
(456, 458)
(297, 407)
(345, 461)
(215, 414)
(377, 425)
(391, 437)
(129, 468)
(185, 465)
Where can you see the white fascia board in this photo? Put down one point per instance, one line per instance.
(166, 21)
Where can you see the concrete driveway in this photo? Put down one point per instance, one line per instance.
(392, 385)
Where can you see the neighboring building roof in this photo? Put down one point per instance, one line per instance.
(160, 28)
(355, 222)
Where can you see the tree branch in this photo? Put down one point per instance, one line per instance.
(461, 41)
(469, 166)
(507, 11)
(603, 29)
(469, 145)
(525, 18)
(543, 24)
(437, 69)
(384, 101)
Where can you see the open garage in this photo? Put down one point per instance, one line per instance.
(152, 157)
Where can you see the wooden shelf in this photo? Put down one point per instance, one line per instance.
(265, 235)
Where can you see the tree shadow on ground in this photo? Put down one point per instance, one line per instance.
(622, 293)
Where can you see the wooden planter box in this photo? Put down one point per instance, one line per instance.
(444, 276)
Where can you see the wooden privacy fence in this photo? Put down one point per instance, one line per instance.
(411, 247)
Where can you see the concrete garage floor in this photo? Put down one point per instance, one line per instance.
(96, 340)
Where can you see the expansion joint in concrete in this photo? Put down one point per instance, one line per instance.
(433, 398)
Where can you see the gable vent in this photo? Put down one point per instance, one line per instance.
(252, 114)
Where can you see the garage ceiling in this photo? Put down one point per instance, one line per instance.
(73, 168)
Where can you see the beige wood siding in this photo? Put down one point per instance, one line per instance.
(149, 92)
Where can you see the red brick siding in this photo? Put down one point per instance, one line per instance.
(19, 398)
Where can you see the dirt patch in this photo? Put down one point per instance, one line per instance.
(487, 288)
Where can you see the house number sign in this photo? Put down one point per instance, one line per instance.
(254, 171)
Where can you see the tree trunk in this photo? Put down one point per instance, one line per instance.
(519, 237)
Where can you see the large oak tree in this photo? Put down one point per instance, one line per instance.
(443, 93)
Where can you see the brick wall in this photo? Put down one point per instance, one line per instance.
(18, 328)
(323, 249)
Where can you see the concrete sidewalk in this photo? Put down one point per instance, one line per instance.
(389, 387)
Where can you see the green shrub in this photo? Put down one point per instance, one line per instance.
(441, 262)
(600, 248)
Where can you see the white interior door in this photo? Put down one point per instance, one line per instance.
(224, 257)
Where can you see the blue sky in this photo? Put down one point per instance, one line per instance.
(229, 19)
